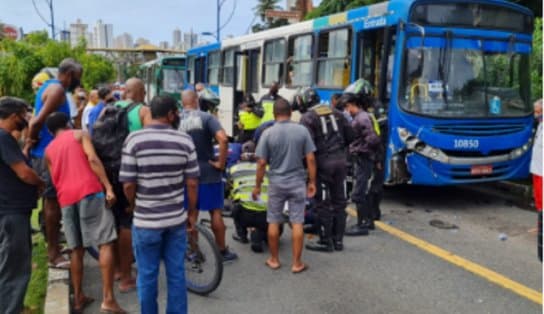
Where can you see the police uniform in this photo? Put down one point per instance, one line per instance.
(331, 134)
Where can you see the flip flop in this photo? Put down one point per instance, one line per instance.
(272, 267)
(64, 264)
(303, 269)
(112, 311)
(127, 288)
(86, 302)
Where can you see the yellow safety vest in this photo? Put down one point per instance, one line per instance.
(250, 120)
(268, 107)
(375, 124)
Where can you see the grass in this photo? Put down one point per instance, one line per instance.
(37, 287)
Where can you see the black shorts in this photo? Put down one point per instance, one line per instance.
(39, 165)
(123, 219)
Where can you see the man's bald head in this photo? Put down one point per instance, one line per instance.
(135, 89)
(199, 87)
(189, 99)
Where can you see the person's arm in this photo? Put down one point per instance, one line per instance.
(129, 188)
(191, 174)
(145, 115)
(191, 184)
(26, 174)
(261, 170)
(223, 140)
(312, 172)
(96, 164)
(51, 102)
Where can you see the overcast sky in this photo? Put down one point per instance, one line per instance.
(151, 19)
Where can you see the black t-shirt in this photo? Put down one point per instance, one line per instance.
(15, 195)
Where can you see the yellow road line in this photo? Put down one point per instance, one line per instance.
(472, 267)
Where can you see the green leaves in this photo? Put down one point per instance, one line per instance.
(21, 60)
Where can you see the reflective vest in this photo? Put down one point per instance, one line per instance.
(249, 120)
(375, 124)
(268, 108)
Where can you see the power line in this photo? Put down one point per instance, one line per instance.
(39, 14)
(231, 15)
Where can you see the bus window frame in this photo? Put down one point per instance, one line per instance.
(282, 76)
(191, 69)
(290, 40)
(234, 66)
(318, 59)
(218, 67)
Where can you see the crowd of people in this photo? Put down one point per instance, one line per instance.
(131, 179)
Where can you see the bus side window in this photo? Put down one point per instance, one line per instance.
(214, 67)
(300, 63)
(274, 58)
(191, 71)
(333, 65)
(228, 67)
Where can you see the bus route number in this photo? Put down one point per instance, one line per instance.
(470, 144)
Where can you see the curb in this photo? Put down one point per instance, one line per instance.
(57, 300)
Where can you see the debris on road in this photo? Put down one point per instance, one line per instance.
(437, 223)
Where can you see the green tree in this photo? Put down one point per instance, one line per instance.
(21, 60)
(267, 22)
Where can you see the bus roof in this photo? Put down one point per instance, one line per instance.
(203, 49)
(372, 16)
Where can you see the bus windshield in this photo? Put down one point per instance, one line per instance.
(173, 80)
(468, 83)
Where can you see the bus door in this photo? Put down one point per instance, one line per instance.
(372, 66)
(200, 70)
(252, 71)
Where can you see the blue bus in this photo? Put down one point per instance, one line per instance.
(452, 78)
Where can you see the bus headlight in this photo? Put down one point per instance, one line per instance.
(404, 134)
(518, 152)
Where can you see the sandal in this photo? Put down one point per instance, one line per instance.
(59, 263)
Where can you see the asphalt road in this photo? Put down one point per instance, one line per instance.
(383, 273)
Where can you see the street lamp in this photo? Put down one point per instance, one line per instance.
(210, 34)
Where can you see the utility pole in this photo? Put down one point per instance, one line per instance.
(218, 20)
(52, 19)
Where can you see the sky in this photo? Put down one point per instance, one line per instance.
(153, 20)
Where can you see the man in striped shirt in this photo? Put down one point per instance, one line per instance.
(158, 162)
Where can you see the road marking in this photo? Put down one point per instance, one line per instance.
(472, 267)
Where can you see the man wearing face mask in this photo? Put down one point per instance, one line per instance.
(51, 97)
(18, 196)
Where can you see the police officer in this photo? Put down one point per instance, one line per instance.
(363, 151)
(331, 134)
(265, 109)
(248, 119)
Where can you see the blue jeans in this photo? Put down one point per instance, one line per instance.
(150, 246)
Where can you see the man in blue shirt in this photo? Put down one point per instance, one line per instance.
(51, 97)
(106, 97)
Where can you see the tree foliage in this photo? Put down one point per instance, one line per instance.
(21, 60)
(267, 22)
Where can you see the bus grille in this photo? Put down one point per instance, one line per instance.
(479, 129)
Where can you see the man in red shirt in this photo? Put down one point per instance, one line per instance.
(80, 180)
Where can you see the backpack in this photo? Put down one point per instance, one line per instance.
(329, 138)
(109, 134)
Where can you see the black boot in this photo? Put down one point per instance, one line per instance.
(357, 230)
(368, 224)
(325, 245)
